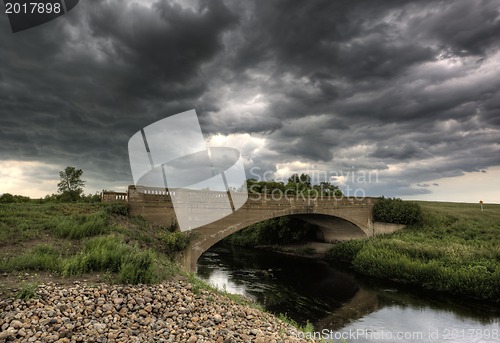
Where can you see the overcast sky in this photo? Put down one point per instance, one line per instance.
(402, 95)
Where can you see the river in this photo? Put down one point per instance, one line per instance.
(343, 306)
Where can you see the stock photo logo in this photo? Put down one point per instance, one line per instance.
(25, 14)
(204, 183)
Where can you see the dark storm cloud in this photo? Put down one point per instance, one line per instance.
(370, 47)
(75, 90)
(162, 46)
(403, 151)
(407, 88)
(336, 38)
(463, 27)
(395, 73)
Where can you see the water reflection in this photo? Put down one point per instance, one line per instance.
(361, 304)
(336, 301)
(302, 288)
(406, 324)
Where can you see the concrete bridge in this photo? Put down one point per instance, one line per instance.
(337, 218)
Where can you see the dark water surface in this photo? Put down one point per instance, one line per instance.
(345, 307)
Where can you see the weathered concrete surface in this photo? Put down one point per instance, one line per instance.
(357, 214)
(382, 228)
(334, 229)
(338, 219)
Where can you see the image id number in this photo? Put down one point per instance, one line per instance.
(32, 7)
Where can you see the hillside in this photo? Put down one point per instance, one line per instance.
(60, 241)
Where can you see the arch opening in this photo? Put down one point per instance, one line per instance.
(330, 229)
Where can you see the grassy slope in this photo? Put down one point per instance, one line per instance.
(72, 239)
(455, 250)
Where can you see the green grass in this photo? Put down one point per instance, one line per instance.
(41, 258)
(110, 254)
(80, 226)
(27, 291)
(73, 239)
(29, 221)
(117, 208)
(456, 250)
(308, 328)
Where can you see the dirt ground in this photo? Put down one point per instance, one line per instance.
(11, 283)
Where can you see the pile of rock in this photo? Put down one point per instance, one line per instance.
(168, 312)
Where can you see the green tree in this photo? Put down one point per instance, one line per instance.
(296, 184)
(326, 188)
(299, 184)
(294, 178)
(71, 185)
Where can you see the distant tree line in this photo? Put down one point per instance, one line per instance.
(9, 198)
(70, 189)
(60, 198)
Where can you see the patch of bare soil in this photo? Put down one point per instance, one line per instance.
(11, 283)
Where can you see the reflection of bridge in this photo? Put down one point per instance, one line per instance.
(361, 304)
(338, 219)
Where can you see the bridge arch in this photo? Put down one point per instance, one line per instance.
(335, 224)
(338, 218)
(331, 228)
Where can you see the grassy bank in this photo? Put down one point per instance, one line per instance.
(74, 239)
(455, 250)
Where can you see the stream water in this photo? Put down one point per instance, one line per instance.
(343, 306)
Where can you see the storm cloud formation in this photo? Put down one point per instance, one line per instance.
(407, 89)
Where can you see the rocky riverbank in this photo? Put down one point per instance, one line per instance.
(174, 311)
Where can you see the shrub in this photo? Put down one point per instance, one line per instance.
(9, 198)
(346, 251)
(397, 211)
(173, 242)
(117, 208)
